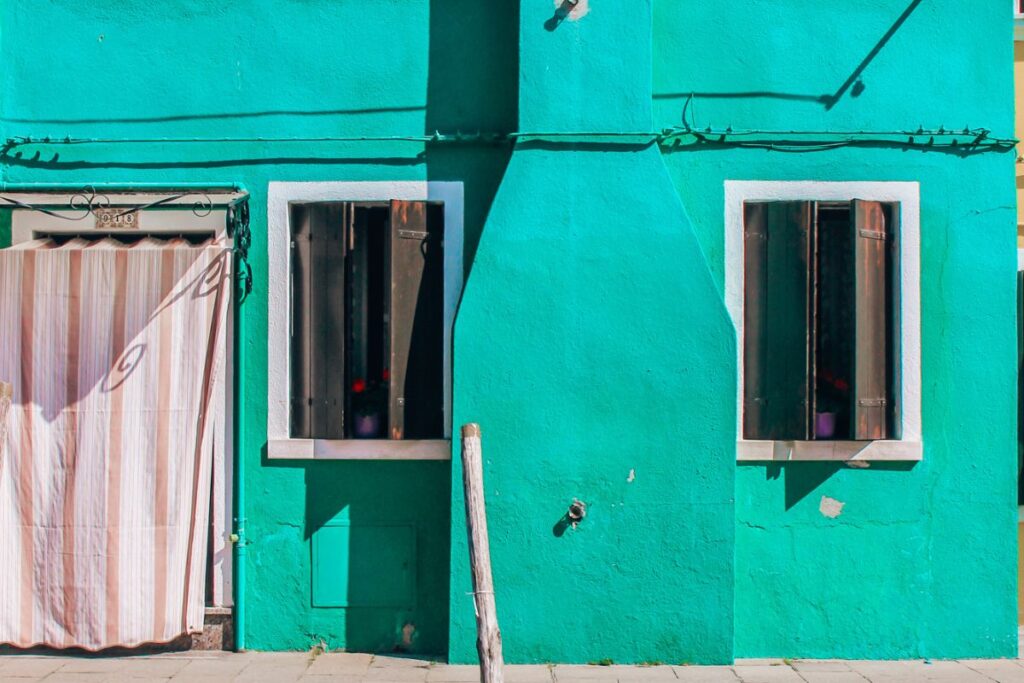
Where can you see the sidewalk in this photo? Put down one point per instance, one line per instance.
(226, 667)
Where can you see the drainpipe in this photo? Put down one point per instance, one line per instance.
(238, 537)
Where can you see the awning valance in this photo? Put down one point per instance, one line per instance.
(43, 211)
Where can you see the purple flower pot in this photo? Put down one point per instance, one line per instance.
(824, 425)
(366, 426)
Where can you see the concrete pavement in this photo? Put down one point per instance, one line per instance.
(250, 667)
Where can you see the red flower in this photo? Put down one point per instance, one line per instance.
(385, 375)
(358, 386)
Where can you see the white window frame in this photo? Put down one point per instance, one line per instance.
(907, 194)
(1017, 14)
(280, 195)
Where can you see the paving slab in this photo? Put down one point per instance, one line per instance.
(1002, 670)
(767, 673)
(393, 662)
(837, 665)
(85, 665)
(944, 669)
(453, 673)
(649, 672)
(706, 674)
(339, 663)
(152, 667)
(226, 667)
(17, 666)
(832, 676)
(285, 667)
(396, 674)
(75, 677)
(125, 677)
(529, 673)
(592, 672)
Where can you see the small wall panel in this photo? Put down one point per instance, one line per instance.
(364, 566)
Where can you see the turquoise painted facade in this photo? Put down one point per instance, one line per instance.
(592, 342)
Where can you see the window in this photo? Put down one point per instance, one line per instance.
(820, 320)
(1018, 9)
(367, 333)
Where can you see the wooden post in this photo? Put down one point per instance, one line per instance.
(488, 639)
(6, 393)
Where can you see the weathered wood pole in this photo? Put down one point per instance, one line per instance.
(488, 637)
(6, 393)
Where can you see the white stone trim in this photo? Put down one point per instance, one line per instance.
(909, 447)
(361, 449)
(279, 196)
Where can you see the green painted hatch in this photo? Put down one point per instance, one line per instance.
(364, 566)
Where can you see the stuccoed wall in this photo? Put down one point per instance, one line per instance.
(596, 354)
(273, 68)
(921, 562)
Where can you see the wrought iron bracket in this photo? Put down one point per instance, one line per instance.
(88, 201)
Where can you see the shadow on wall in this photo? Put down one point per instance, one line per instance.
(560, 15)
(378, 532)
(854, 84)
(803, 478)
(129, 352)
(377, 535)
(472, 85)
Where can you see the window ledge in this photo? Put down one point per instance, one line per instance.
(359, 449)
(829, 450)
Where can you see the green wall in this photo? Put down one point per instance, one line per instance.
(592, 343)
(922, 561)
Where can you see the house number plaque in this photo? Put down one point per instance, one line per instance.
(116, 219)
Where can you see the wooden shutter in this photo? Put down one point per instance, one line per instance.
(318, 320)
(776, 331)
(416, 320)
(870, 389)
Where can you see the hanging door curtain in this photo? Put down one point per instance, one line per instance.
(105, 468)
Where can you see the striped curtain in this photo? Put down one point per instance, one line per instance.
(6, 392)
(105, 467)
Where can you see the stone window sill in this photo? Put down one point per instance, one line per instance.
(886, 450)
(359, 449)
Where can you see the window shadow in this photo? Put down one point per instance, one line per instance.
(376, 533)
(801, 479)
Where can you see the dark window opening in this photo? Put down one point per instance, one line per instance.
(821, 321)
(367, 337)
(833, 371)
